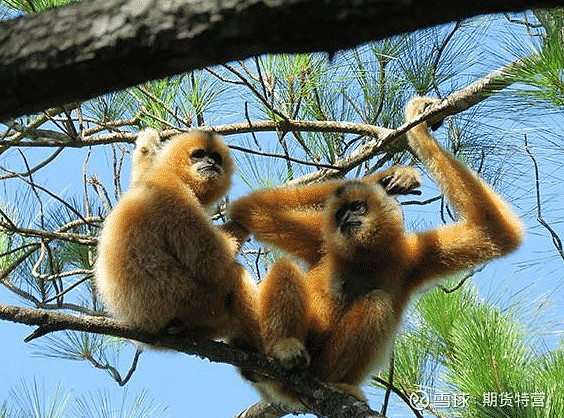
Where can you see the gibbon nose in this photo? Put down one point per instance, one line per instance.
(346, 215)
(349, 222)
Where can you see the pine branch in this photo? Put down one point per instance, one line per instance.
(320, 398)
(455, 103)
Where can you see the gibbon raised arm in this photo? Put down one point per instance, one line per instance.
(291, 217)
(145, 152)
(339, 319)
(162, 264)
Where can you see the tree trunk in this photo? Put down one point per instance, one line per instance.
(82, 50)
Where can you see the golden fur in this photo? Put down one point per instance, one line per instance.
(162, 264)
(339, 319)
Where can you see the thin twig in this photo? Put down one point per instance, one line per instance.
(113, 371)
(33, 188)
(388, 389)
(36, 168)
(60, 294)
(284, 157)
(468, 275)
(254, 90)
(440, 51)
(422, 202)
(400, 393)
(53, 195)
(556, 241)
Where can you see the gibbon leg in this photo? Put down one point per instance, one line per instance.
(349, 353)
(284, 314)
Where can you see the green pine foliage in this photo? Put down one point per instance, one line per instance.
(459, 347)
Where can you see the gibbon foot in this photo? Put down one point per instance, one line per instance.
(175, 327)
(403, 180)
(291, 353)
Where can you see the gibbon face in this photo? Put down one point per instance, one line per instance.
(360, 217)
(207, 164)
(202, 161)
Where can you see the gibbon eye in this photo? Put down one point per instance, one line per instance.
(198, 154)
(216, 157)
(358, 206)
(349, 216)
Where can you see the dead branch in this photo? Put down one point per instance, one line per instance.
(556, 241)
(76, 238)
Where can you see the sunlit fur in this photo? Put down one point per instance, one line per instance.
(339, 319)
(162, 264)
(145, 152)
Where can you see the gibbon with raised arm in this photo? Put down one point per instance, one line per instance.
(162, 264)
(291, 217)
(339, 319)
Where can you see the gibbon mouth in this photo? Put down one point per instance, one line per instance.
(209, 168)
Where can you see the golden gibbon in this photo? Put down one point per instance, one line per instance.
(162, 264)
(338, 320)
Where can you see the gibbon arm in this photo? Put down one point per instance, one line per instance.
(237, 234)
(273, 216)
(488, 228)
(291, 217)
(143, 156)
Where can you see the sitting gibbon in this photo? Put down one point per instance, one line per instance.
(339, 319)
(162, 264)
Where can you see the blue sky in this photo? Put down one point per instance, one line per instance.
(190, 386)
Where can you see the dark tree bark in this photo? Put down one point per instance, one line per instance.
(86, 49)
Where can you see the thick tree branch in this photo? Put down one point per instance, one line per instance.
(320, 398)
(85, 49)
